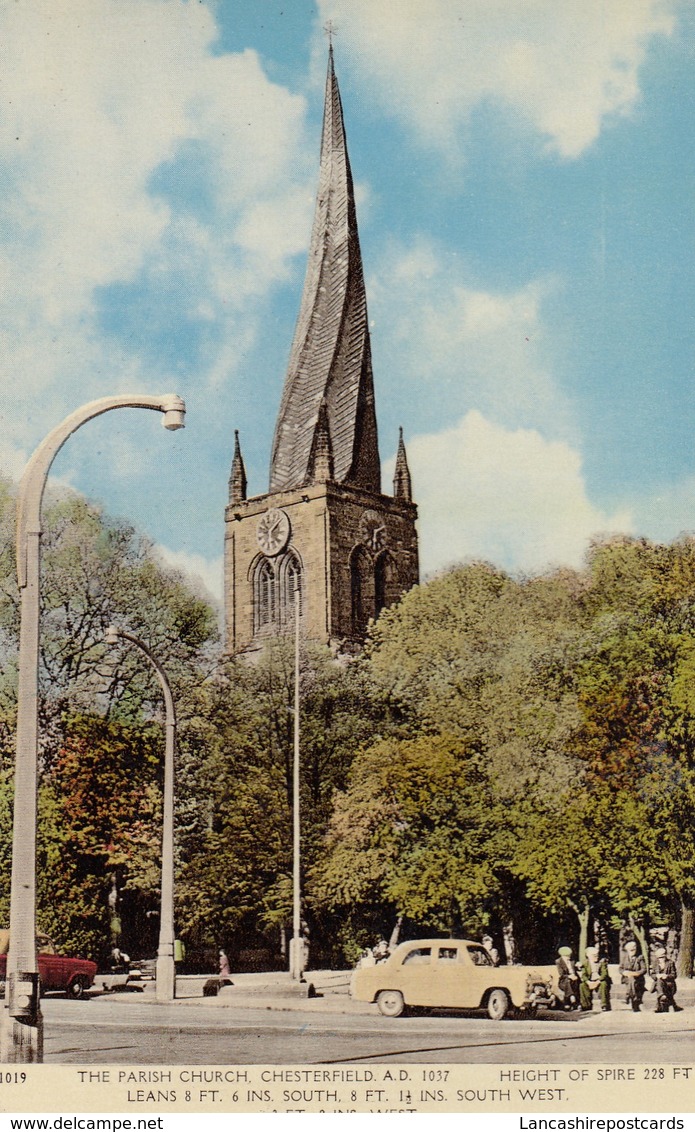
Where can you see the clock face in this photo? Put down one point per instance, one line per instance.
(373, 530)
(273, 531)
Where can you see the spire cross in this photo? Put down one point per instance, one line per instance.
(330, 29)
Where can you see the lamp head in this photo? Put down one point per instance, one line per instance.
(174, 409)
(111, 636)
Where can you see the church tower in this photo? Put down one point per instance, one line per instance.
(324, 530)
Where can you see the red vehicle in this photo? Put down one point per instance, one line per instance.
(57, 972)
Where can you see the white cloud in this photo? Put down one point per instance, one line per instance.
(131, 151)
(209, 572)
(563, 68)
(507, 496)
(473, 348)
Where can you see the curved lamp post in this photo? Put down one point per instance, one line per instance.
(22, 1030)
(297, 964)
(166, 981)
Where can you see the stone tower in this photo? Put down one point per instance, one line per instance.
(324, 530)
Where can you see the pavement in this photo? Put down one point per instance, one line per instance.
(328, 992)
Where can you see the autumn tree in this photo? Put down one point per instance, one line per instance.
(100, 710)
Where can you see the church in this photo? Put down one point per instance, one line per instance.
(323, 534)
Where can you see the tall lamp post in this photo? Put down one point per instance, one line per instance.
(165, 970)
(22, 1023)
(297, 964)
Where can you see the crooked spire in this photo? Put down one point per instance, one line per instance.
(237, 476)
(402, 485)
(331, 356)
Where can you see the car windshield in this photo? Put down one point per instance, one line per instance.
(480, 957)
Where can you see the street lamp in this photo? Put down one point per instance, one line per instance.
(165, 971)
(297, 958)
(22, 1028)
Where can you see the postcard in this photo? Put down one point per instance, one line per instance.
(346, 721)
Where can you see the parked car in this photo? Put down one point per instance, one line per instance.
(455, 974)
(57, 972)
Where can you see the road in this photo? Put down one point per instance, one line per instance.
(126, 1030)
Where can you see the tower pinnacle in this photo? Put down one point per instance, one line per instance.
(402, 485)
(237, 476)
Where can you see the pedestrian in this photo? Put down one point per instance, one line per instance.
(594, 979)
(179, 954)
(664, 972)
(119, 960)
(225, 969)
(568, 982)
(492, 951)
(381, 951)
(633, 970)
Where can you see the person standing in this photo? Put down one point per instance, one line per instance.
(594, 979)
(225, 969)
(381, 951)
(568, 983)
(664, 972)
(632, 972)
(492, 951)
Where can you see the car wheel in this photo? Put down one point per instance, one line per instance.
(497, 1004)
(76, 988)
(390, 1003)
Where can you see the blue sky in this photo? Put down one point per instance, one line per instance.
(525, 179)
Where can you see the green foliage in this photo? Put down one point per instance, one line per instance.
(97, 571)
(100, 813)
(418, 832)
(481, 656)
(6, 805)
(505, 750)
(574, 691)
(100, 743)
(237, 764)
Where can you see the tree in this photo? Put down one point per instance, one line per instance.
(478, 655)
(237, 763)
(576, 689)
(98, 710)
(100, 813)
(418, 833)
(635, 693)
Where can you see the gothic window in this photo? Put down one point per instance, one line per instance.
(290, 580)
(362, 589)
(264, 597)
(275, 581)
(386, 589)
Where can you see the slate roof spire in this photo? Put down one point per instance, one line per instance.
(330, 357)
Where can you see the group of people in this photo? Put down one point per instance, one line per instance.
(634, 972)
(372, 955)
(579, 982)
